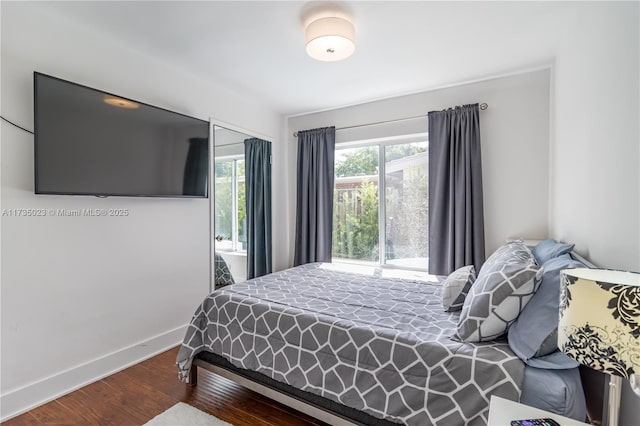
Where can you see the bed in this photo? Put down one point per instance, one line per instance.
(353, 348)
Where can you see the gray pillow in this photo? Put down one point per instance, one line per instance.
(550, 249)
(534, 334)
(456, 286)
(506, 282)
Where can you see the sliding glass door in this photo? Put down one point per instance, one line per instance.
(406, 206)
(381, 204)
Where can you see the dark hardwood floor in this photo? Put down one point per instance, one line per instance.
(139, 393)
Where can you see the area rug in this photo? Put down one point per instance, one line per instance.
(183, 414)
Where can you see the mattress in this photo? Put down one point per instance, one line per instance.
(556, 391)
(382, 346)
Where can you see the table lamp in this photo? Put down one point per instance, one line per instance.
(599, 326)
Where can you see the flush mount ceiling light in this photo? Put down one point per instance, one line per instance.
(330, 39)
(119, 102)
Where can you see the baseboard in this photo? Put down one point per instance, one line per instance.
(25, 398)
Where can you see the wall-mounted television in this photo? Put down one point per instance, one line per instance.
(90, 142)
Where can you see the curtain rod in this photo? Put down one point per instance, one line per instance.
(482, 106)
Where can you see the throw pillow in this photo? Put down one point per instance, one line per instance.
(550, 249)
(534, 334)
(456, 286)
(222, 273)
(506, 282)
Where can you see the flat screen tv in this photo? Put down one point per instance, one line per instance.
(89, 142)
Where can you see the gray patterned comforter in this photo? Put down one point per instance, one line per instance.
(378, 345)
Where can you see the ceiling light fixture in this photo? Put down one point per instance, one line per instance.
(330, 39)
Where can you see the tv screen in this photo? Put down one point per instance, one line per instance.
(89, 142)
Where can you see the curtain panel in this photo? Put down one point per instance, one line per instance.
(257, 154)
(456, 217)
(196, 171)
(314, 201)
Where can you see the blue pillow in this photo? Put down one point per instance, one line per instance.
(550, 249)
(533, 336)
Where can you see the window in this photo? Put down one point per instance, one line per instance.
(381, 204)
(230, 215)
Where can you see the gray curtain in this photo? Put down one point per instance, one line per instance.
(196, 169)
(456, 218)
(257, 172)
(314, 206)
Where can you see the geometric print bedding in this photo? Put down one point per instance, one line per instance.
(505, 284)
(222, 273)
(378, 345)
(456, 286)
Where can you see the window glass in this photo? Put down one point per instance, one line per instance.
(241, 206)
(407, 204)
(223, 199)
(381, 214)
(356, 204)
(230, 205)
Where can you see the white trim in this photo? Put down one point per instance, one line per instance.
(430, 89)
(212, 194)
(382, 204)
(27, 397)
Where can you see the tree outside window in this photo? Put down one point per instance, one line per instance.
(230, 204)
(357, 229)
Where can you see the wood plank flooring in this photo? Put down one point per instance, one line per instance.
(139, 393)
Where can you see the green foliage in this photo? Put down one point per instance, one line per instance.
(355, 221)
(223, 194)
(355, 233)
(223, 200)
(364, 161)
(361, 162)
(242, 212)
(223, 168)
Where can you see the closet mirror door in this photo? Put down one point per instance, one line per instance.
(234, 228)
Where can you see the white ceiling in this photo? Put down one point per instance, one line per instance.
(257, 48)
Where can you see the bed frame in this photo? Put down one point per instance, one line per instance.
(308, 403)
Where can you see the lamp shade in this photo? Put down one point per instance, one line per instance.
(330, 39)
(599, 322)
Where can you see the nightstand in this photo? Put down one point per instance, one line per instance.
(502, 411)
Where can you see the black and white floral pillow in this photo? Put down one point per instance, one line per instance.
(456, 286)
(506, 282)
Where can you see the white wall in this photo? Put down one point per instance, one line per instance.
(595, 156)
(596, 151)
(83, 296)
(515, 145)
